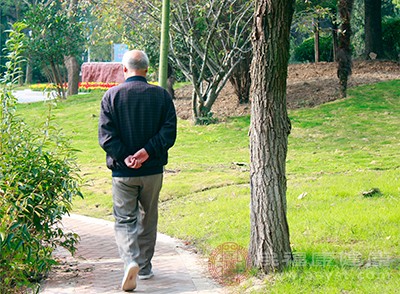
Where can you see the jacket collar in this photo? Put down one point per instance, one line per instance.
(136, 78)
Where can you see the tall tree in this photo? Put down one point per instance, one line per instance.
(344, 50)
(49, 43)
(373, 28)
(270, 126)
(308, 17)
(70, 60)
(210, 40)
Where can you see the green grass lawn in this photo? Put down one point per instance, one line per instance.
(337, 151)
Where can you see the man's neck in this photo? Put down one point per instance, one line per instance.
(139, 72)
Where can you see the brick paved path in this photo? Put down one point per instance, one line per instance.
(96, 267)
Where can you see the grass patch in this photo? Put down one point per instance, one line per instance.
(337, 151)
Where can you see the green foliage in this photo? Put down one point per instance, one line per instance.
(305, 51)
(391, 37)
(37, 183)
(55, 32)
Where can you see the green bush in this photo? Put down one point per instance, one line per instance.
(391, 37)
(305, 51)
(37, 183)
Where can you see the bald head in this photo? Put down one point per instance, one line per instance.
(135, 62)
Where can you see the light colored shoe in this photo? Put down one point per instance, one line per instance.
(129, 281)
(146, 277)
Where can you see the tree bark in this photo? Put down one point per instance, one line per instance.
(164, 44)
(373, 28)
(170, 81)
(71, 63)
(335, 38)
(344, 49)
(270, 126)
(56, 77)
(316, 41)
(28, 72)
(241, 80)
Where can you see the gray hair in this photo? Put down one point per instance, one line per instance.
(135, 59)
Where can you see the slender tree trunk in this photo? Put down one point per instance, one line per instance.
(335, 37)
(171, 81)
(344, 49)
(195, 107)
(316, 41)
(28, 72)
(270, 126)
(373, 28)
(164, 44)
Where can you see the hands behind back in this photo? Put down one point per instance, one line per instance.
(136, 160)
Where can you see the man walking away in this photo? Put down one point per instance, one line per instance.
(137, 126)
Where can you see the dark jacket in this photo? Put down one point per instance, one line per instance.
(136, 115)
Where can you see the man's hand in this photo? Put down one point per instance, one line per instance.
(141, 156)
(130, 161)
(136, 160)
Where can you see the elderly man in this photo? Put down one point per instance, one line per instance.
(137, 126)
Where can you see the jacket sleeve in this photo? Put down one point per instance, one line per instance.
(159, 144)
(109, 138)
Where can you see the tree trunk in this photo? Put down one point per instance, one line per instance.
(164, 44)
(28, 72)
(241, 81)
(56, 78)
(344, 49)
(335, 38)
(171, 81)
(196, 107)
(270, 126)
(373, 28)
(71, 63)
(316, 40)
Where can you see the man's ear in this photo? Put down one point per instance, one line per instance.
(124, 68)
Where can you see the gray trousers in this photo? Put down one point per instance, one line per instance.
(135, 201)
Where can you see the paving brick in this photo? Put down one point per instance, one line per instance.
(97, 268)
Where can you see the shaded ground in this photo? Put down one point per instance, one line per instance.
(309, 84)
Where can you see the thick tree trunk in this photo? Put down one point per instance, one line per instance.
(373, 28)
(71, 63)
(270, 126)
(344, 49)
